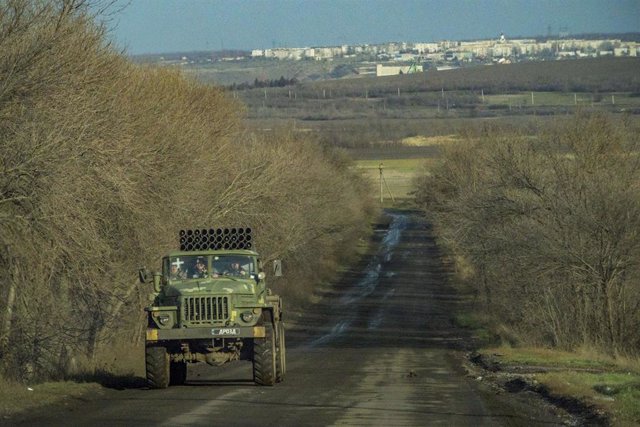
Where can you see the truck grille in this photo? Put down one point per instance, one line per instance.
(205, 310)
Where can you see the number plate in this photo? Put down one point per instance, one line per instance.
(225, 331)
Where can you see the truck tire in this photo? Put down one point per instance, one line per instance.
(281, 354)
(264, 357)
(177, 373)
(157, 367)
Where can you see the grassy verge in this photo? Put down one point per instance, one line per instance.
(618, 394)
(16, 398)
(610, 385)
(121, 368)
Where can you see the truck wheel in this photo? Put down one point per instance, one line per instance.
(264, 357)
(281, 354)
(178, 373)
(157, 367)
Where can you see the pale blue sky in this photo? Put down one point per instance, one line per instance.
(154, 26)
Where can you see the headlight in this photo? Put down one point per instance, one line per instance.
(247, 316)
(164, 320)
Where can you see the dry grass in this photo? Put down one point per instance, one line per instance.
(18, 397)
(398, 173)
(428, 141)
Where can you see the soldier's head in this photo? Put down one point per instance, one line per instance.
(200, 264)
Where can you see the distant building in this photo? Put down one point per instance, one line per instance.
(394, 70)
(488, 50)
(446, 68)
(621, 51)
(285, 53)
(404, 57)
(426, 47)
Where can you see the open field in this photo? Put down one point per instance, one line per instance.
(584, 75)
(385, 118)
(366, 112)
(413, 156)
(398, 174)
(621, 100)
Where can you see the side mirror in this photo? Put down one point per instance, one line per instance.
(157, 281)
(143, 275)
(277, 268)
(258, 276)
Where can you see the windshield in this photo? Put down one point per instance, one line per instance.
(200, 267)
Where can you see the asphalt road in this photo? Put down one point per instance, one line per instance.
(379, 349)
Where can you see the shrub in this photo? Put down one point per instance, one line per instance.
(550, 226)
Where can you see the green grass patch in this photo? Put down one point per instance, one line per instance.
(466, 320)
(553, 358)
(616, 393)
(612, 385)
(478, 325)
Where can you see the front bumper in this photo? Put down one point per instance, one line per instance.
(154, 335)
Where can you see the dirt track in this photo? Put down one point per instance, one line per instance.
(380, 349)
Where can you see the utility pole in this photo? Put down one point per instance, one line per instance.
(384, 181)
(381, 178)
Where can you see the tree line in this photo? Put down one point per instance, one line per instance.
(103, 162)
(545, 230)
(257, 83)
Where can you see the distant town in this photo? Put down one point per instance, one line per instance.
(403, 57)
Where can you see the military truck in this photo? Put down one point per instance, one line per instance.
(211, 304)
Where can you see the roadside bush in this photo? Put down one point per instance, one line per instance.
(549, 225)
(103, 162)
